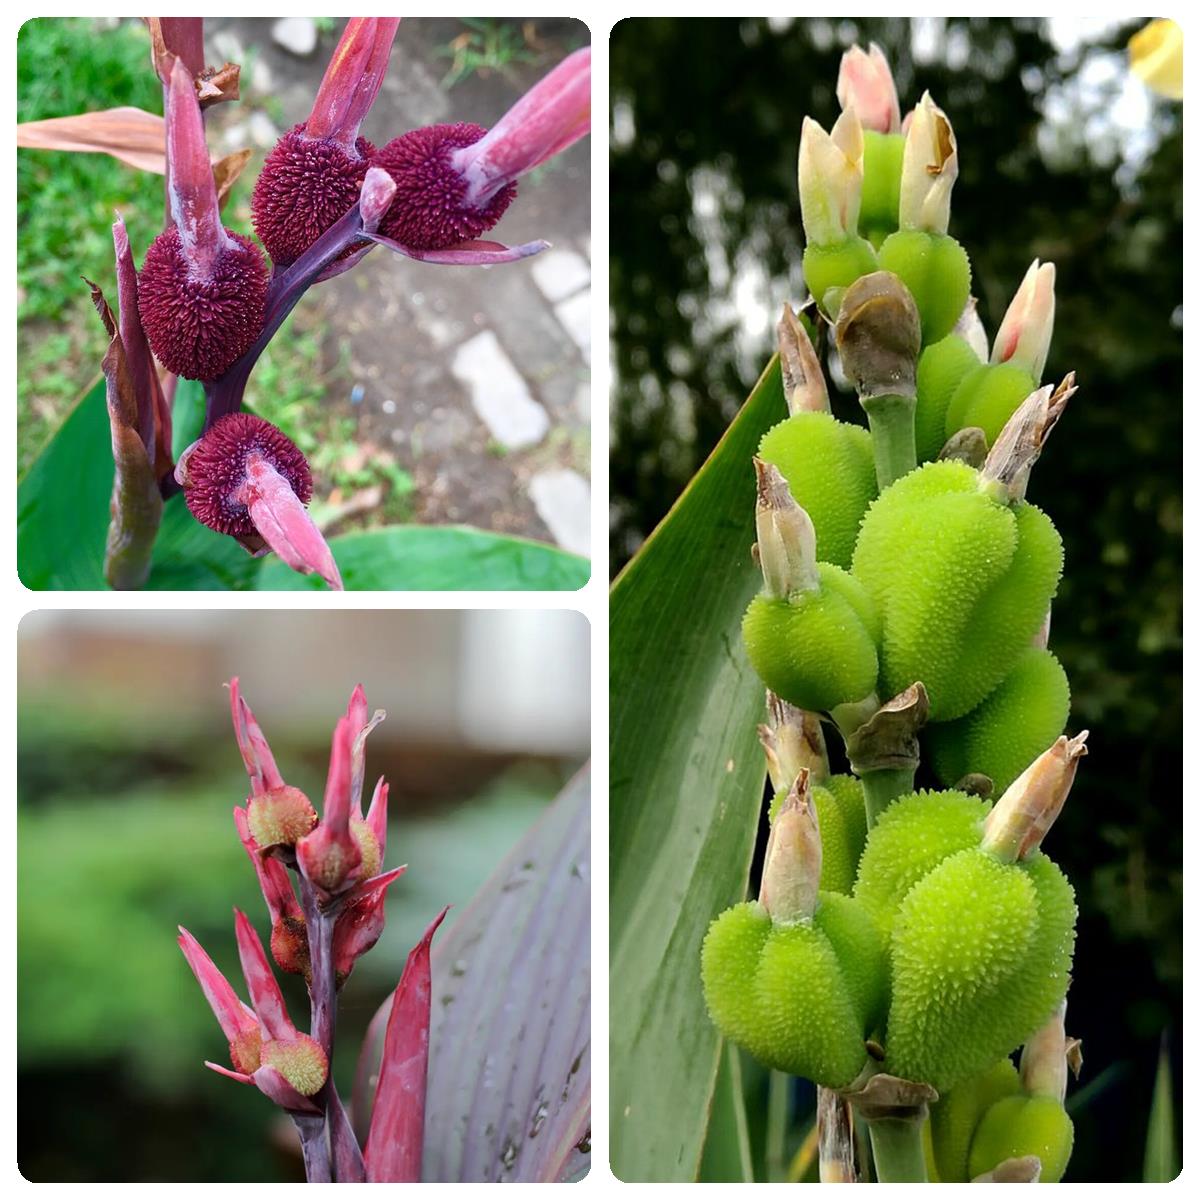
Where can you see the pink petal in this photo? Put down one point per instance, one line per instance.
(232, 1015)
(273, 877)
(377, 816)
(352, 79)
(359, 761)
(260, 979)
(256, 754)
(220, 1070)
(137, 349)
(275, 1087)
(361, 921)
(192, 190)
(284, 522)
(393, 1152)
(468, 254)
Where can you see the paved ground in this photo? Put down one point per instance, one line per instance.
(476, 379)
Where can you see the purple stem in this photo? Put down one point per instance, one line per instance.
(314, 1147)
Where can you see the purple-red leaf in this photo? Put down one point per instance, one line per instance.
(393, 1153)
(468, 254)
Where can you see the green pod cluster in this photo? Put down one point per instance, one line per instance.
(1001, 737)
(986, 397)
(1019, 1125)
(936, 270)
(981, 951)
(883, 162)
(940, 369)
(799, 997)
(956, 1115)
(815, 649)
(842, 820)
(830, 270)
(830, 470)
(960, 579)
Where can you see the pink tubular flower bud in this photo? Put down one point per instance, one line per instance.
(792, 867)
(831, 177)
(256, 754)
(352, 80)
(929, 171)
(330, 856)
(865, 84)
(1023, 338)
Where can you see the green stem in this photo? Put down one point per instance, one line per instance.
(893, 438)
(898, 1151)
(881, 787)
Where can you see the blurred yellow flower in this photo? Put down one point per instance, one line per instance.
(1156, 56)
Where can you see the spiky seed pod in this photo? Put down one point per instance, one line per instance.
(799, 997)
(936, 270)
(216, 469)
(842, 820)
(816, 649)
(306, 184)
(200, 325)
(986, 397)
(1001, 737)
(960, 579)
(830, 270)
(300, 1060)
(940, 369)
(914, 834)
(955, 1116)
(245, 1051)
(289, 946)
(279, 817)
(430, 210)
(368, 844)
(830, 471)
(1019, 1125)
(981, 951)
(883, 160)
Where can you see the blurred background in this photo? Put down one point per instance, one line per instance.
(1066, 156)
(127, 774)
(419, 393)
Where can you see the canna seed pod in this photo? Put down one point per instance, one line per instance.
(842, 820)
(300, 1061)
(883, 159)
(1021, 1125)
(940, 369)
(1019, 720)
(986, 397)
(956, 1115)
(830, 270)
(960, 579)
(830, 471)
(936, 270)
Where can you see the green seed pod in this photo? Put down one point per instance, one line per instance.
(1019, 1125)
(830, 471)
(799, 997)
(961, 581)
(883, 158)
(936, 270)
(815, 649)
(830, 270)
(940, 369)
(954, 1118)
(912, 836)
(986, 397)
(981, 951)
(1001, 737)
(842, 820)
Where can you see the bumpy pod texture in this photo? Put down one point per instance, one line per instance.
(1001, 737)
(940, 369)
(216, 468)
(829, 270)
(960, 580)
(981, 952)
(800, 997)
(279, 817)
(430, 209)
(300, 1061)
(842, 820)
(305, 185)
(1019, 1125)
(986, 397)
(817, 650)
(883, 160)
(955, 1117)
(912, 836)
(830, 470)
(198, 326)
(936, 270)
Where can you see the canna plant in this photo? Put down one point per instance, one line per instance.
(905, 941)
(325, 887)
(208, 299)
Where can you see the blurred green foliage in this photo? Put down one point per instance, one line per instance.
(705, 217)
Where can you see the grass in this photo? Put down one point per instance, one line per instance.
(484, 45)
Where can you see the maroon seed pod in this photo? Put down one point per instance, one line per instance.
(306, 184)
(217, 471)
(200, 323)
(431, 209)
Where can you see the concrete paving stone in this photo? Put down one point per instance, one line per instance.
(296, 34)
(498, 393)
(576, 318)
(563, 500)
(560, 273)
